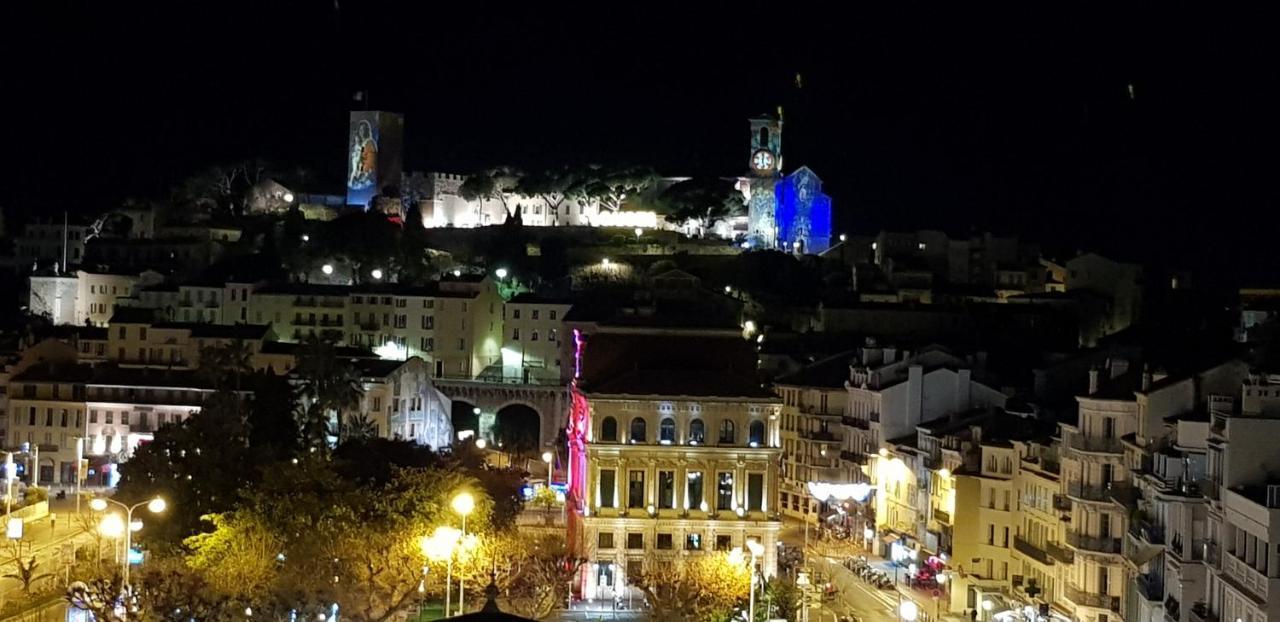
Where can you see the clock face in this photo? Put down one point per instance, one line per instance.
(762, 160)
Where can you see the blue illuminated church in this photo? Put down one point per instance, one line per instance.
(788, 212)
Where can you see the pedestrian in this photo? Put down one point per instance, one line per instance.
(53, 523)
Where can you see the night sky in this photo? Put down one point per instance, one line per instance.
(915, 119)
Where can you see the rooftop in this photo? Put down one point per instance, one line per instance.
(112, 375)
(831, 372)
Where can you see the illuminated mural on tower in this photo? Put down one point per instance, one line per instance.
(802, 213)
(374, 143)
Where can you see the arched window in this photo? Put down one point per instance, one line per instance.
(764, 137)
(637, 430)
(755, 434)
(727, 435)
(667, 430)
(609, 430)
(697, 431)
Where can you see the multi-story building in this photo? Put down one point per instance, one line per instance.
(674, 451)
(83, 297)
(400, 402)
(533, 327)
(109, 409)
(813, 445)
(1119, 283)
(43, 244)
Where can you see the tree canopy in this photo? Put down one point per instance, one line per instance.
(702, 199)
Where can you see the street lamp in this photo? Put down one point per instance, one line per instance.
(605, 262)
(549, 458)
(987, 606)
(756, 549)
(463, 504)
(439, 546)
(327, 269)
(639, 232)
(480, 443)
(376, 273)
(908, 611)
(501, 273)
(155, 506)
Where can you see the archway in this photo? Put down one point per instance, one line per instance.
(517, 428)
(464, 417)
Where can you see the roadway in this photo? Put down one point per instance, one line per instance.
(50, 543)
(853, 596)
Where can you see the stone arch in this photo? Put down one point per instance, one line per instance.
(517, 426)
(463, 416)
(549, 402)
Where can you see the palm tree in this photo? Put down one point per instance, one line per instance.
(359, 426)
(329, 386)
(24, 566)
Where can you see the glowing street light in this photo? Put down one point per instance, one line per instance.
(377, 273)
(605, 262)
(501, 273)
(439, 546)
(757, 550)
(843, 237)
(944, 473)
(549, 458)
(288, 197)
(639, 232)
(115, 525)
(327, 269)
(480, 443)
(463, 503)
(908, 611)
(306, 238)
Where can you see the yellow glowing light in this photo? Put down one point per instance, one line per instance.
(884, 452)
(439, 545)
(98, 505)
(112, 526)
(735, 556)
(464, 503)
(157, 505)
(944, 473)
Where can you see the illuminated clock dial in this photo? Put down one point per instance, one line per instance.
(762, 160)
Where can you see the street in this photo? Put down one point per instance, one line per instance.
(853, 596)
(48, 543)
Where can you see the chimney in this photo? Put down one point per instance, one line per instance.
(962, 390)
(890, 354)
(1118, 366)
(1093, 380)
(915, 395)
(1273, 496)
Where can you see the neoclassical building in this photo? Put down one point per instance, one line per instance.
(677, 462)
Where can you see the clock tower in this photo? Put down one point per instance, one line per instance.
(764, 165)
(765, 158)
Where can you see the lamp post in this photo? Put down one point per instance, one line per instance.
(549, 458)
(987, 606)
(463, 504)
(756, 550)
(155, 506)
(440, 546)
(907, 610)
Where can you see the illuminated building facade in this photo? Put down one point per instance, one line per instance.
(813, 409)
(668, 462)
(802, 213)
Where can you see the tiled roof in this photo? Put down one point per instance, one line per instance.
(831, 372)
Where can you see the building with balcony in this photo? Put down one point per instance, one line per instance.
(108, 409)
(813, 436)
(1096, 478)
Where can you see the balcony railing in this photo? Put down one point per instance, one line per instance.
(1102, 492)
(932, 463)
(1024, 546)
(855, 457)
(1094, 444)
(942, 515)
(854, 422)
(875, 417)
(1061, 502)
(1060, 553)
(1096, 544)
(1148, 531)
(817, 435)
(1150, 587)
(1089, 599)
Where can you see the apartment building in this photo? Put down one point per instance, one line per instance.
(534, 326)
(109, 409)
(813, 444)
(400, 402)
(678, 455)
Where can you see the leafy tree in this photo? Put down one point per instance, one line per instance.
(609, 187)
(199, 466)
(273, 424)
(491, 185)
(366, 240)
(292, 252)
(704, 587)
(547, 571)
(224, 367)
(782, 597)
(415, 265)
(705, 200)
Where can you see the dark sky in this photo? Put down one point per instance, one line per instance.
(915, 119)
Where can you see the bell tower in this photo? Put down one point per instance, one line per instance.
(765, 156)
